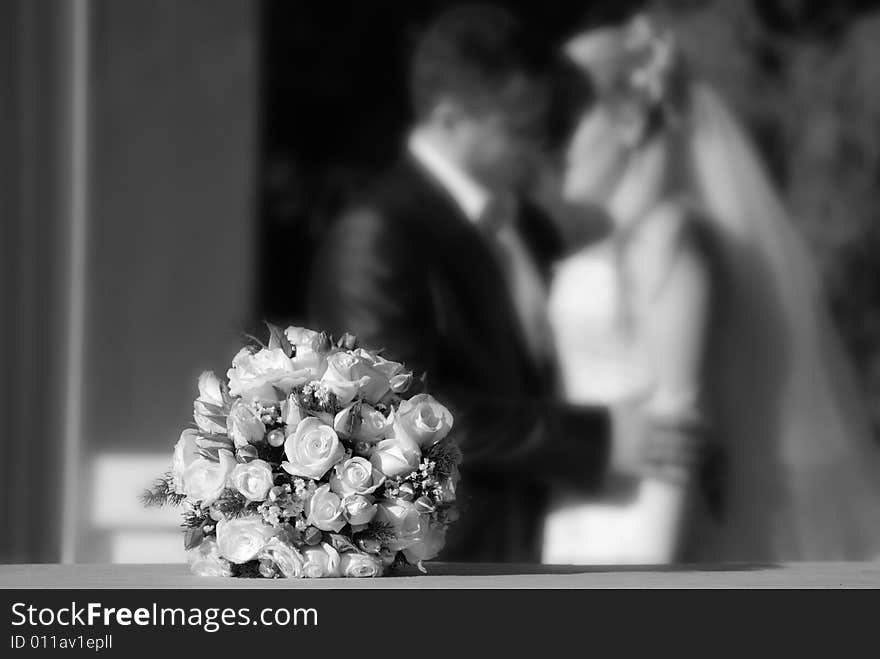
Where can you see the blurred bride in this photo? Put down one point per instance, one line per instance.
(702, 304)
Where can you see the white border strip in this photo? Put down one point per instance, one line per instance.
(76, 218)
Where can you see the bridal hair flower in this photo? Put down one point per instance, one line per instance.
(654, 53)
(638, 70)
(315, 458)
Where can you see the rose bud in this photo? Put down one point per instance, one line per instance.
(424, 505)
(276, 438)
(401, 382)
(267, 569)
(387, 557)
(276, 492)
(447, 491)
(348, 341)
(323, 344)
(406, 492)
(246, 453)
(369, 545)
(313, 536)
(294, 535)
(243, 425)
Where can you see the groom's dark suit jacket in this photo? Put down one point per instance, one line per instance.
(404, 269)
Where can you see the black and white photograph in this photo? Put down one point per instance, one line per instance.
(434, 295)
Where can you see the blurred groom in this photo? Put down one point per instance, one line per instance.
(444, 264)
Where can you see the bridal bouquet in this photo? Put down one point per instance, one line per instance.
(314, 458)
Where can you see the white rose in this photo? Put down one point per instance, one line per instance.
(359, 509)
(287, 559)
(244, 425)
(321, 561)
(374, 425)
(307, 358)
(210, 389)
(349, 375)
(301, 336)
(398, 378)
(356, 564)
(312, 449)
(405, 521)
(210, 408)
(205, 560)
(428, 543)
(184, 454)
(396, 457)
(324, 510)
(355, 476)
(265, 393)
(423, 420)
(241, 539)
(204, 480)
(386, 367)
(253, 479)
(252, 372)
(365, 422)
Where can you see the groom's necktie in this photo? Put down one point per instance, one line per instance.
(524, 282)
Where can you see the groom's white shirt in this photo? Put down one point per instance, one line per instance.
(471, 197)
(524, 281)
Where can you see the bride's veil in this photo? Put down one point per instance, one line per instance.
(801, 461)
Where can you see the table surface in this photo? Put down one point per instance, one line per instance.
(464, 575)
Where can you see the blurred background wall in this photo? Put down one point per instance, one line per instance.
(171, 258)
(203, 145)
(169, 162)
(32, 262)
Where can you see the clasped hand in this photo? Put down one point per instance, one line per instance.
(669, 447)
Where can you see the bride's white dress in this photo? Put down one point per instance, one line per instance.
(802, 470)
(801, 473)
(603, 363)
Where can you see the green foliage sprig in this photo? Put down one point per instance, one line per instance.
(446, 457)
(379, 532)
(162, 493)
(249, 570)
(193, 519)
(231, 504)
(400, 563)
